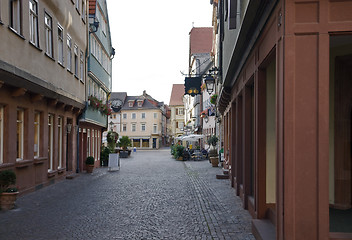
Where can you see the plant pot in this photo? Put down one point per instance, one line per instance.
(7, 200)
(124, 154)
(214, 161)
(90, 168)
(180, 158)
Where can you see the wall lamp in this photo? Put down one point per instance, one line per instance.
(210, 83)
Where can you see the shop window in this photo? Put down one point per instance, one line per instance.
(50, 141)
(1, 134)
(37, 134)
(60, 141)
(20, 133)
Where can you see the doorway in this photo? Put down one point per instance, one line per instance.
(340, 164)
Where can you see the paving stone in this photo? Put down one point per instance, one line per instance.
(152, 196)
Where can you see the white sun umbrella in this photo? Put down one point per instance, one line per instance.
(193, 137)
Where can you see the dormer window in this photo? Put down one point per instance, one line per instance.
(130, 103)
(140, 103)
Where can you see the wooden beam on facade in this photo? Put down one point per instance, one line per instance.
(68, 108)
(36, 97)
(17, 92)
(52, 102)
(1, 83)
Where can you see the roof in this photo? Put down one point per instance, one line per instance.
(118, 95)
(201, 40)
(177, 92)
(92, 7)
(146, 103)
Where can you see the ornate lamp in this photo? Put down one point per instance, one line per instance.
(210, 83)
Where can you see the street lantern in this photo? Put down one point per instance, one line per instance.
(111, 125)
(93, 24)
(210, 83)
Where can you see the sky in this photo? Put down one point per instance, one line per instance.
(151, 41)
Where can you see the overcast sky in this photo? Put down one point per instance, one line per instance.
(151, 39)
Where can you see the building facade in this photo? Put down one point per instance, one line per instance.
(94, 120)
(42, 88)
(177, 108)
(285, 103)
(141, 121)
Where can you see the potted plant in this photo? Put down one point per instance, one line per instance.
(90, 164)
(124, 142)
(8, 194)
(112, 138)
(213, 153)
(104, 156)
(178, 152)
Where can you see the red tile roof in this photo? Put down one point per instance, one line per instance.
(177, 92)
(201, 40)
(92, 6)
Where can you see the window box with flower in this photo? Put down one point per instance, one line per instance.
(98, 104)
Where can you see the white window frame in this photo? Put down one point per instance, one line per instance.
(133, 127)
(155, 115)
(69, 52)
(33, 23)
(124, 127)
(51, 141)
(60, 141)
(155, 128)
(124, 116)
(83, 12)
(16, 16)
(1, 134)
(20, 133)
(48, 24)
(75, 51)
(133, 116)
(77, 5)
(82, 66)
(143, 127)
(37, 116)
(143, 115)
(93, 143)
(60, 44)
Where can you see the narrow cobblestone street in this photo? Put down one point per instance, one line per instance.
(153, 196)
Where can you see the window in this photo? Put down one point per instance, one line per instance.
(93, 143)
(88, 142)
(133, 127)
(82, 66)
(143, 127)
(48, 35)
(20, 133)
(36, 134)
(60, 141)
(83, 10)
(75, 50)
(130, 103)
(155, 128)
(155, 115)
(124, 127)
(77, 5)
(124, 116)
(60, 44)
(1, 133)
(15, 16)
(33, 23)
(69, 52)
(143, 116)
(133, 115)
(179, 111)
(51, 141)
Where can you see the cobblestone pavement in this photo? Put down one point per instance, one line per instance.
(152, 197)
